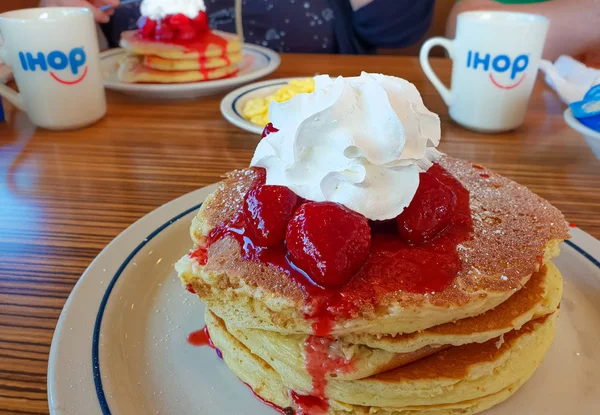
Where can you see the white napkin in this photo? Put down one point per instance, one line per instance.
(570, 78)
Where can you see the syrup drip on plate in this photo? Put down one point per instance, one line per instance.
(200, 338)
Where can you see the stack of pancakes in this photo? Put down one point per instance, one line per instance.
(215, 55)
(457, 351)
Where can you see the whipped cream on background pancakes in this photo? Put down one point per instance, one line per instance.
(158, 9)
(359, 141)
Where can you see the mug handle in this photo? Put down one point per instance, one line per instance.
(424, 60)
(12, 96)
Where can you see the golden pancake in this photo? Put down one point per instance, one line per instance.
(162, 64)
(288, 351)
(539, 297)
(460, 379)
(214, 45)
(369, 355)
(131, 70)
(514, 233)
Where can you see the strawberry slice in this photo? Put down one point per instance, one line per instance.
(200, 23)
(268, 130)
(185, 32)
(267, 210)
(429, 213)
(147, 27)
(329, 242)
(164, 31)
(178, 20)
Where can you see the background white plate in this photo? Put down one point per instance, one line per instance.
(232, 104)
(257, 62)
(120, 344)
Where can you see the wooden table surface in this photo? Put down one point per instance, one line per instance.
(65, 195)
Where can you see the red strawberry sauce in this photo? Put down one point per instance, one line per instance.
(200, 338)
(393, 265)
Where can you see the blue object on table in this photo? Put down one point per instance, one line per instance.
(587, 111)
(1, 111)
(591, 122)
(593, 93)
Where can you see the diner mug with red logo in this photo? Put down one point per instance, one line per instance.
(54, 56)
(495, 58)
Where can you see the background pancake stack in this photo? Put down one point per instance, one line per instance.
(214, 55)
(457, 350)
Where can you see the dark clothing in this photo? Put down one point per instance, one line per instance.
(311, 26)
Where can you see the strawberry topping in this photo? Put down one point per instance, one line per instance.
(429, 213)
(268, 130)
(328, 241)
(267, 210)
(173, 27)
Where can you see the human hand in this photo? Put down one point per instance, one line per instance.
(93, 5)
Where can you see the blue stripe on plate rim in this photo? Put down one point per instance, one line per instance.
(96, 339)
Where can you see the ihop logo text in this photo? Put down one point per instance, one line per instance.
(504, 72)
(68, 68)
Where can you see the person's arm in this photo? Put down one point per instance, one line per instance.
(574, 24)
(391, 23)
(93, 5)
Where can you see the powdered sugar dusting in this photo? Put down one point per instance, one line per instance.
(512, 228)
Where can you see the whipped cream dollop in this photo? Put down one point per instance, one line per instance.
(158, 9)
(358, 141)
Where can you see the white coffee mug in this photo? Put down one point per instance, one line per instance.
(54, 55)
(495, 58)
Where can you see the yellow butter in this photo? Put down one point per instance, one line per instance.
(257, 110)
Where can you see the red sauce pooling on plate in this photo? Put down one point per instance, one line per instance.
(200, 338)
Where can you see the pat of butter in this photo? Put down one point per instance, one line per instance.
(257, 110)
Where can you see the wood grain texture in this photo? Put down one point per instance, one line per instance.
(65, 195)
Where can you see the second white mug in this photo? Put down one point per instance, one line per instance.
(495, 62)
(54, 55)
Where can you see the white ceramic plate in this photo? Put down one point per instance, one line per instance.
(257, 62)
(120, 344)
(592, 137)
(232, 104)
